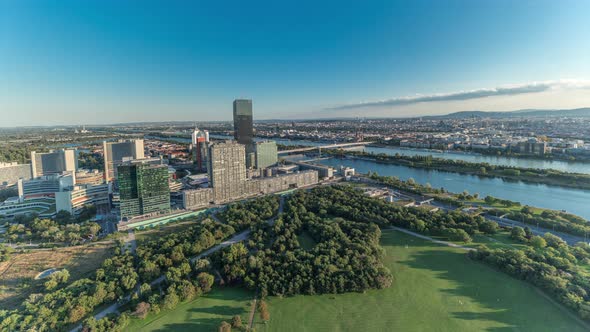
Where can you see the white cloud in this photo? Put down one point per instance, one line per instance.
(506, 90)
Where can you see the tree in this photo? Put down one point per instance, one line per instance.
(63, 217)
(489, 227)
(517, 233)
(224, 327)
(263, 309)
(205, 281)
(490, 200)
(236, 321)
(171, 300)
(538, 242)
(142, 310)
(554, 240)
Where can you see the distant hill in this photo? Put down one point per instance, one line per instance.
(578, 112)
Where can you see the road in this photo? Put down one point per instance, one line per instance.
(570, 239)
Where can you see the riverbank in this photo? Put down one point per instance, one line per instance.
(537, 176)
(496, 153)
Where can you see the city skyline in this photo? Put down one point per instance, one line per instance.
(105, 62)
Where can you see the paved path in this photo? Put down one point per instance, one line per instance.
(428, 238)
(114, 308)
(252, 313)
(569, 238)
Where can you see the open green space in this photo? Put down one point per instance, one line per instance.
(202, 314)
(435, 288)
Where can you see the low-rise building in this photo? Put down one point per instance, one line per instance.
(73, 199)
(196, 198)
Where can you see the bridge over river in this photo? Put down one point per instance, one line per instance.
(330, 146)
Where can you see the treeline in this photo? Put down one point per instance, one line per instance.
(544, 176)
(244, 214)
(548, 263)
(169, 255)
(351, 204)
(346, 258)
(48, 230)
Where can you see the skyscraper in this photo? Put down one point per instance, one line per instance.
(143, 188)
(200, 138)
(227, 170)
(54, 162)
(243, 126)
(117, 152)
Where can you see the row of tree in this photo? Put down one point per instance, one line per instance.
(48, 230)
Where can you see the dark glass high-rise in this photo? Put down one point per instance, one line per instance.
(243, 126)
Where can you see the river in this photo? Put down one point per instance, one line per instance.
(560, 165)
(557, 198)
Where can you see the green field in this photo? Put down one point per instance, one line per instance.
(203, 314)
(435, 288)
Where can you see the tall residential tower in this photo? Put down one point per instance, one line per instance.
(227, 170)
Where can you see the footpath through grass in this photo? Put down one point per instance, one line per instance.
(435, 288)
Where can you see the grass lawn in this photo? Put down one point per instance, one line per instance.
(436, 288)
(203, 314)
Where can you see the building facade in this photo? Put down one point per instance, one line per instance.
(197, 198)
(74, 199)
(94, 177)
(199, 141)
(227, 170)
(228, 180)
(10, 173)
(115, 153)
(266, 154)
(54, 162)
(45, 186)
(243, 122)
(143, 189)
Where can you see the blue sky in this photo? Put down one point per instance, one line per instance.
(75, 62)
